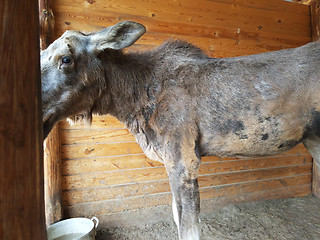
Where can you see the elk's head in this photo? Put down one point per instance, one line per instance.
(72, 74)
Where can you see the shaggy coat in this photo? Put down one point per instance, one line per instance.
(181, 105)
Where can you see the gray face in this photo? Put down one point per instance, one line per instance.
(72, 75)
(59, 78)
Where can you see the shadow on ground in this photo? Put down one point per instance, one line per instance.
(285, 219)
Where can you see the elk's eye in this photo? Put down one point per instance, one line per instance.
(66, 60)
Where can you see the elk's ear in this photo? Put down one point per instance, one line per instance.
(116, 37)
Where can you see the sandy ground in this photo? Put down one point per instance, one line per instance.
(294, 218)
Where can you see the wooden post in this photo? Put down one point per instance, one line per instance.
(46, 23)
(52, 176)
(52, 158)
(315, 36)
(305, 2)
(21, 166)
(315, 20)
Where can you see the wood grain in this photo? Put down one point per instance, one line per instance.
(126, 204)
(138, 161)
(315, 28)
(99, 150)
(82, 136)
(101, 179)
(104, 170)
(227, 28)
(52, 177)
(315, 21)
(98, 122)
(87, 195)
(52, 156)
(107, 163)
(22, 214)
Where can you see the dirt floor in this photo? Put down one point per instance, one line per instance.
(294, 218)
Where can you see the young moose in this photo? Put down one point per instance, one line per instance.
(181, 105)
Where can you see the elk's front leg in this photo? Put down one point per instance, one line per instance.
(182, 169)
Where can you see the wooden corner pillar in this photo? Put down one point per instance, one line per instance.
(21, 167)
(52, 177)
(51, 147)
(315, 20)
(315, 36)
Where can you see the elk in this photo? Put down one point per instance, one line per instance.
(181, 105)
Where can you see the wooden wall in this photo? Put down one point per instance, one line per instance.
(105, 171)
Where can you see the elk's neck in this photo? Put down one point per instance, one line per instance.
(129, 79)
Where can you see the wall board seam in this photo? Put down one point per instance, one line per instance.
(200, 175)
(169, 193)
(97, 143)
(204, 162)
(257, 169)
(166, 180)
(107, 156)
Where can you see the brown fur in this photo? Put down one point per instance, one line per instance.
(181, 104)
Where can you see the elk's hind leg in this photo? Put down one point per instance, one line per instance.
(313, 146)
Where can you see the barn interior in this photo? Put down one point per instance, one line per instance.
(100, 170)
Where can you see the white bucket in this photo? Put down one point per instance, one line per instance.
(73, 229)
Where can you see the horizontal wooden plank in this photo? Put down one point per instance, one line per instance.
(282, 6)
(146, 188)
(253, 175)
(76, 196)
(208, 206)
(183, 28)
(201, 12)
(91, 165)
(228, 28)
(102, 179)
(152, 200)
(293, 191)
(253, 164)
(215, 41)
(79, 136)
(257, 186)
(98, 122)
(99, 150)
(118, 205)
(220, 43)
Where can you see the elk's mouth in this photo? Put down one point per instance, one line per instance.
(48, 123)
(46, 129)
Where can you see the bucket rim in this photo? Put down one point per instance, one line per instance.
(93, 220)
(62, 227)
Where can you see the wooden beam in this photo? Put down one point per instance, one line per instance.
(315, 20)
(46, 23)
(52, 177)
(305, 2)
(21, 166)
(52, 159)
(315, 36)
